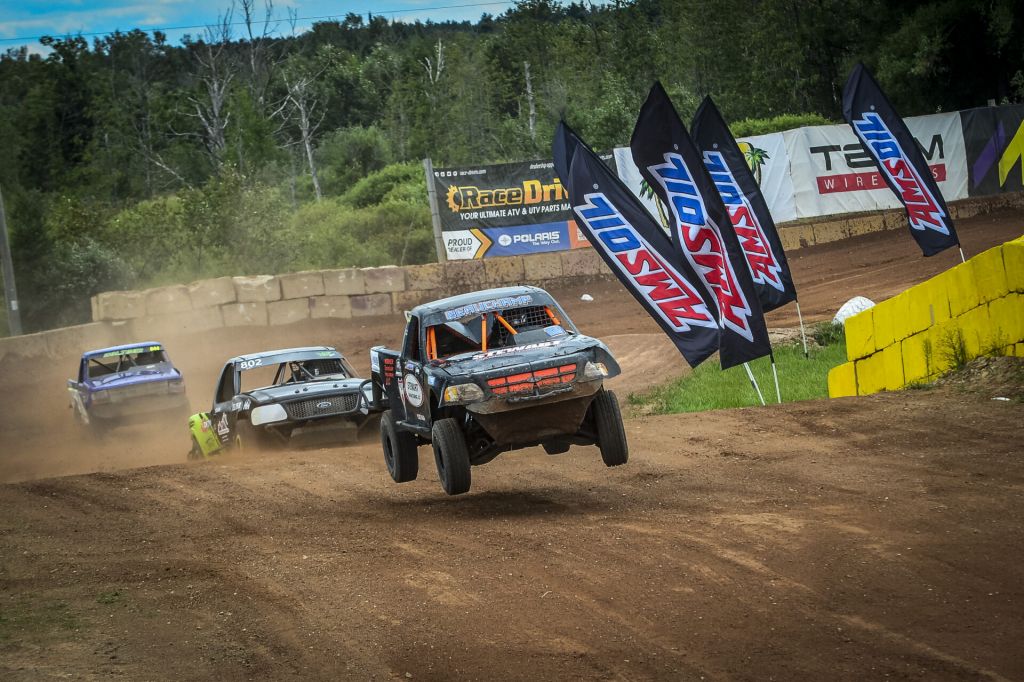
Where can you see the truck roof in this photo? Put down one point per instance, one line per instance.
(461, 300)
(288, 354)
(126, 346)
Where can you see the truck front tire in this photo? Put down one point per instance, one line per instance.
(399, 450)
(451, 456)
(611, 435)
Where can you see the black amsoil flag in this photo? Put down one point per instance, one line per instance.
(701, 231)
(635, 248)
(747, 208)
(888, 141)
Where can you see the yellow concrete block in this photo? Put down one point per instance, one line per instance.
(892, 365)
(1013, 263)
(977, 330)
(901, 322)
(1006, 318)
(928, 304)
(917, 357)
(860, 335)
(1018, 350)
(884, 318)
(870, 375)
(842, 381)
(944, 339)
(962, 288)
(990, 274)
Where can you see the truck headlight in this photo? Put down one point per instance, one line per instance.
(462, 394)
(594, 370)
(265, 414)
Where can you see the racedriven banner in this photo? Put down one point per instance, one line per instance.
(508, 209)
(699, 225)
(994, 141)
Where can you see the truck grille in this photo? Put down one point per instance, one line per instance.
(322, 407)
(533, 382)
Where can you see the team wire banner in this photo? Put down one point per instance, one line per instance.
(994, 137)
(507, 209)
(831, 172)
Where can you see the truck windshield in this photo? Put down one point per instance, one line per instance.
(493, 330)
(122, 361)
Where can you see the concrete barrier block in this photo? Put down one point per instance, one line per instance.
(331, 306)
(860, 335)
(384, 280)
(884, 315)
(509, 270)
(347, 282)
(540, 267)
(120, 305)
(73, 341)
(842, 381)
(168, 300)
(407, 300)
(371, 304)
(464, 275)
(870, 374)
(249, 314)
(158, 327)
(212, 292)
(917, 360)
(962, 288)
(1006, 316)
(94, 308)
(892, 363)
(424, 277)
(287, 311)
(301, 285)
(790, 238)
(990, 274)
(581, 263)
(1013, 262)
(257, 288)
(978, 332)
(829, 232)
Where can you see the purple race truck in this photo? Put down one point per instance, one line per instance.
(125, 384)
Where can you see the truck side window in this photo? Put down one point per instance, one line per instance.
(226, 387)
(411, 346)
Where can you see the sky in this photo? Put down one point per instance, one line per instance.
(22, 21)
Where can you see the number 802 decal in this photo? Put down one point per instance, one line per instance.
(249, 364)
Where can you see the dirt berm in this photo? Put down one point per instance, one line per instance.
(858, 538)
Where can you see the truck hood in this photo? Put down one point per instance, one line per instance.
(501, 358)
(135, 376)
(307, 389)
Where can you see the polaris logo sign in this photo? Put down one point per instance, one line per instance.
(534, 238)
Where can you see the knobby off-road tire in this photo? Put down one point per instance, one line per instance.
(611, 435)
(196, 452)
(399, 447)
(451, 456)
(248, 438)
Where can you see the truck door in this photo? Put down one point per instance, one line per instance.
(412, 378)
(222, 415)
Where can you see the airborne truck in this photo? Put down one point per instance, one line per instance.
(484, 373)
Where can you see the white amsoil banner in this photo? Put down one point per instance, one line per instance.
(831, 173)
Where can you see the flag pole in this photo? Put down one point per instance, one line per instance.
(803, 334)
(778, 393)
(962, 258)
(753, 382)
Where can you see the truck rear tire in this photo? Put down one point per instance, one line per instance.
(399, 447)
(451, 456)
(611, 435)
(249, 439)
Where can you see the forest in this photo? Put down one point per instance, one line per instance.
(250, 147)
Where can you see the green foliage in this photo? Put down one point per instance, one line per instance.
(828, 333)
(709, 388)
(953, 349)
(108, 158)
(762, 126)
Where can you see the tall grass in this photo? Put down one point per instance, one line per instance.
(709, 388)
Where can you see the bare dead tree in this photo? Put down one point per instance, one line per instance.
(435, 67)
(302, 108)
(261, 62)
(532, 120)
(215, 71)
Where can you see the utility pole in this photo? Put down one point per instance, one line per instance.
(435, 216)
(10, 291)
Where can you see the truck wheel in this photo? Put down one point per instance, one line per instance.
(248, 438)
(451, 456)
(196, 452)
(611, 436)
(399, 447)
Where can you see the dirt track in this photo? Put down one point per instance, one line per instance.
(862, 537)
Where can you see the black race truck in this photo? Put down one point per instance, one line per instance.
(484, 373)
